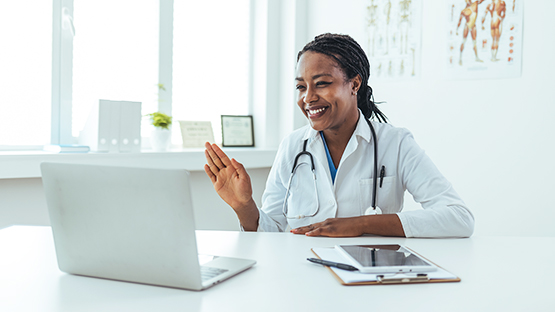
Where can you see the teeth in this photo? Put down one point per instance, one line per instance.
(316, 111)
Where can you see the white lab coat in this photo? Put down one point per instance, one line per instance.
(407, 167)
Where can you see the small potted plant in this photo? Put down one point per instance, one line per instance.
(161, 135)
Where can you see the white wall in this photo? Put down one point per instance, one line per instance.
(493, 139)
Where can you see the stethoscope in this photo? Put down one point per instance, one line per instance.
(374, 210)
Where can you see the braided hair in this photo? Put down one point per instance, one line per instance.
(353, 61)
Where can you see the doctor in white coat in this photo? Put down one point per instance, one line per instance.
(337, 198)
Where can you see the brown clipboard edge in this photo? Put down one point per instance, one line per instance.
(454, 280)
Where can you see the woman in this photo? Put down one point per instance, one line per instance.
(332, 75)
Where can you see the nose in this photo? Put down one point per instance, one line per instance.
(310, 96)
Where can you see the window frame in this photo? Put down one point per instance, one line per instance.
(62, 69)
(269, 89)
(62, 73)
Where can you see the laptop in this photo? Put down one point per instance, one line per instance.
(129, 224)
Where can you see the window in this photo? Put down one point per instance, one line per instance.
(66, 55)
(25, 75)
(115, 55)
(210, 61)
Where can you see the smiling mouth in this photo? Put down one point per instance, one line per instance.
(316, 112)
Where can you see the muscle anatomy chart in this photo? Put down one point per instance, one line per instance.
(484, 38)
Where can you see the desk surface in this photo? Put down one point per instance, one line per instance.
(283, 280)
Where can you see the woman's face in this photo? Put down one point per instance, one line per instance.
(324, 95)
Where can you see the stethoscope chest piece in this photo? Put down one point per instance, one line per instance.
(371, 211)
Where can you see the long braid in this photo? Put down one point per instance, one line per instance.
(352, 59)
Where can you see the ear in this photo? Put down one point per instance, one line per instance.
(356, 83)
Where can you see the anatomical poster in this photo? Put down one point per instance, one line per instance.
(393, 38)
(484, 39)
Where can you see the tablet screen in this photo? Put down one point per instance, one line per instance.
(383, 256)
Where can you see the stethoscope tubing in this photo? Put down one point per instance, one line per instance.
(305, 152)
(375, 180)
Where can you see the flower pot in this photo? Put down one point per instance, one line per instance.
(160, 139)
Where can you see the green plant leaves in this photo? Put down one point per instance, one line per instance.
(160, 120)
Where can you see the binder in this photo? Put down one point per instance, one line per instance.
(96, 132)
(350, 278)
(113, 131)
(113, 127)
(130, 127)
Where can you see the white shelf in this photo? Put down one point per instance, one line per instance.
(26, 164)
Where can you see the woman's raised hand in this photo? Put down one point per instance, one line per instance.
(232, 183)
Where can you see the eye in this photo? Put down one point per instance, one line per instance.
(322, 83)
(299, 87)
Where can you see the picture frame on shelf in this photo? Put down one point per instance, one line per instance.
(196, 133)
(237, 131)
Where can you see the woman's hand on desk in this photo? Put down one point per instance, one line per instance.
(333, 227)
(385, 225)
(232, 182)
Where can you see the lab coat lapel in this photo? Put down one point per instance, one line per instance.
(362, 130)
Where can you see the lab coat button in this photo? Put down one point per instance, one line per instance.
(331, 202)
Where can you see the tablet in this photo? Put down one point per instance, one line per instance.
(385, 259)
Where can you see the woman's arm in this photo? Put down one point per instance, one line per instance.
(233, 184)
(444, 213)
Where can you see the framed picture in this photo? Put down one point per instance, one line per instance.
(195, 133)
(237, 131)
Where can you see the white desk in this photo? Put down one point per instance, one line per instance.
(283, 280)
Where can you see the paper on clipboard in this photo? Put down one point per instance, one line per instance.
(350, 277)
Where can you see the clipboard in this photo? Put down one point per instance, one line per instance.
(350, 278)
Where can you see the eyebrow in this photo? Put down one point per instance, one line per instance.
(313, 77)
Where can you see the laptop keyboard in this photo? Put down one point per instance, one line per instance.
(207, 273)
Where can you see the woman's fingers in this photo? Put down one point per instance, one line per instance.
(214, 157)
(315, 229)
(221, 155)
(207, 154)
(305, 229)
(316, 232)
(217, 160)
(238, 167)
(211, 166)
(210, 173)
